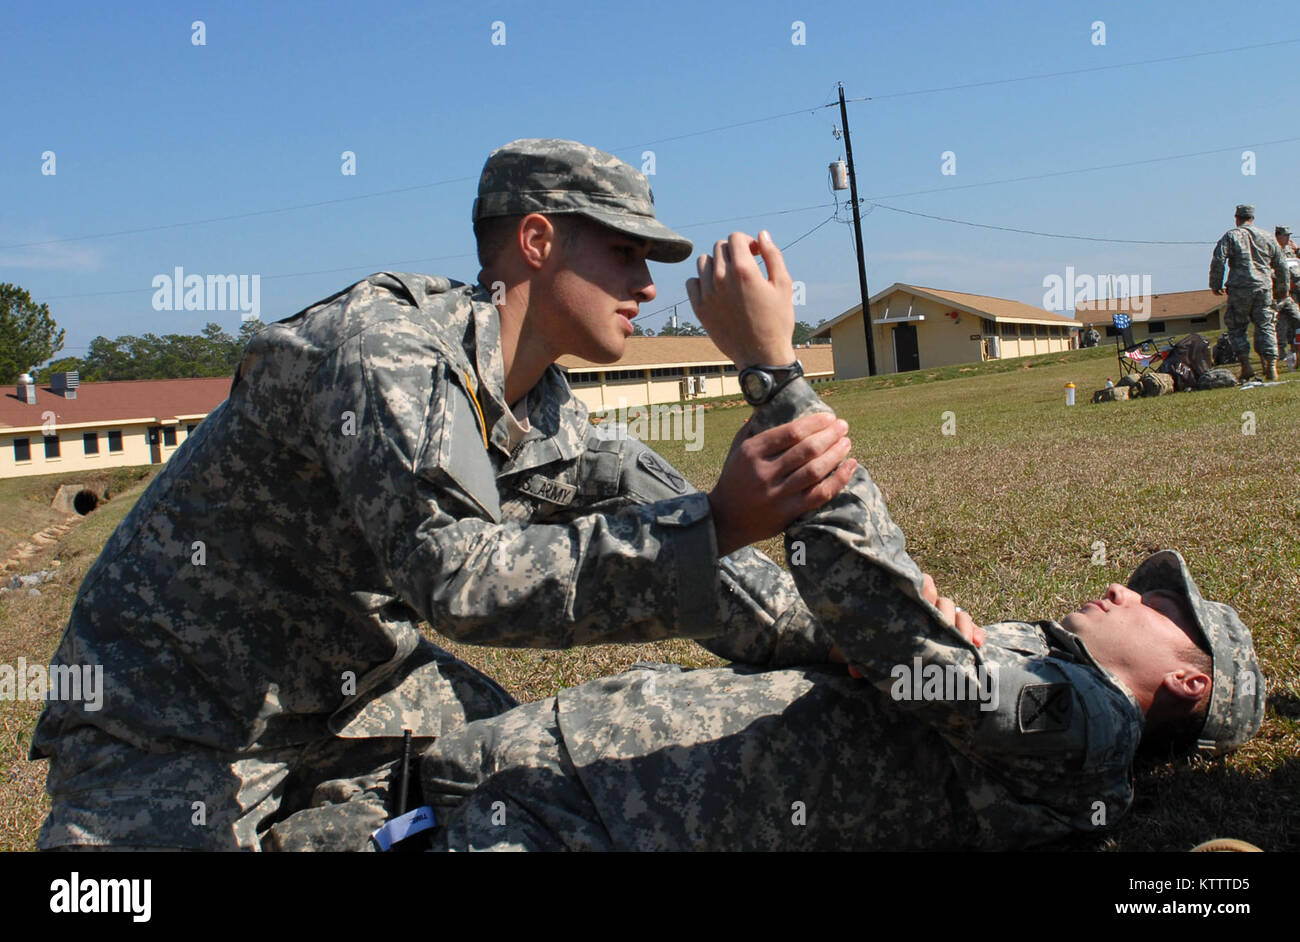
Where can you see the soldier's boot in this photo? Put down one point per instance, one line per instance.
(1270, 370)
(1247, 371)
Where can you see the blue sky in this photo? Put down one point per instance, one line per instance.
(149, 130)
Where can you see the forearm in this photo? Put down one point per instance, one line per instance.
(764, 619)
(860, 584)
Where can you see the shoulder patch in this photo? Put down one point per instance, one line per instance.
(656, 466)
(553, 492)
(1045, 708)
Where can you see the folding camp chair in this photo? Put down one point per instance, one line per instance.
(1141, 357)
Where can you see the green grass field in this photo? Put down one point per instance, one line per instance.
(1012, 515)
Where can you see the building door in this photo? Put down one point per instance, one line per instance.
(155, 443)
(906, 355)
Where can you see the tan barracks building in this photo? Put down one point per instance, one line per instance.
(917, 328)
(671, 369)
(1178, 312)
(69, 426)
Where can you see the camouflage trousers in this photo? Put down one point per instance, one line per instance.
(1288, 322)
(1248, 306)
(329, 794)
(722, 759)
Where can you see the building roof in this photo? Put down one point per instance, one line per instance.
(981, 305)
(1154, 307)
(151, 400)
(655, 352)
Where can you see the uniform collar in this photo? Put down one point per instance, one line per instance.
(559, 425)
(1067, 641)
(558, 419)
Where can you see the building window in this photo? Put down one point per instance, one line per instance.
(1009, 330)
(612, 376)
(1155, 327)
(1200, 320)
(987, 326)
(1113, 331)
(51, 446)
(90, 442)
(169, 436)
(1026, 330)
(22, 449)
(1041, 330)
(189, 430)
(114, 441)
(662, 371)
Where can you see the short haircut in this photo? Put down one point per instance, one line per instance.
(1175, 734)
(495, 233)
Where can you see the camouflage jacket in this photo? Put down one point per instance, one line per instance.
(1022, 740)
(266, 588)
(1254, 260)
(1053, 753)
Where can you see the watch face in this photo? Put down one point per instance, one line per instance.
(753, 387)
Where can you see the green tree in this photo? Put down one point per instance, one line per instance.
(802, 333)
(28, 335)
(61, 365)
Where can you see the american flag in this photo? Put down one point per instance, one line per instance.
(1122, 321)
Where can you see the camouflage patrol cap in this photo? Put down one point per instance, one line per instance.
(1237, 699)
(1282, 230)
(1245, 211)
(555, 176)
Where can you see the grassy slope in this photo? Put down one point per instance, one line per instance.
(1005, 514)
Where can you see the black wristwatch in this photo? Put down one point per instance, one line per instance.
(758, 384)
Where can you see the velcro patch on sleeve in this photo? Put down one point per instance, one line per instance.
(662, 470)
(1045, 708)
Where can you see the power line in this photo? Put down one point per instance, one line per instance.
(1064, 173)
(725, 127)
(669, 307)
(297, 274)
(247, 215)
(1095, 68)
(1049, 235)
(435, 258)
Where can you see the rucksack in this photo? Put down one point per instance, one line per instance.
(1216, 379)
(1188, 359)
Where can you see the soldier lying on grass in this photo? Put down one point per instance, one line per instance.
(956, 737)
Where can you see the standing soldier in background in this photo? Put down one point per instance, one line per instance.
(1250, 255)
(1288, 312)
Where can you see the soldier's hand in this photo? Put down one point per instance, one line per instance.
(771, 478)
(957, 616)
(1217, 290)
(748, 315)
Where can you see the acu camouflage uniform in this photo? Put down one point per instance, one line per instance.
(256, 614)
(1288, 311)
(739, 759)
(1257, 273)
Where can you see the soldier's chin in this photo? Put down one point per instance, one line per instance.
(1074, 623)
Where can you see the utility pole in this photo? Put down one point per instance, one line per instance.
(857, 229)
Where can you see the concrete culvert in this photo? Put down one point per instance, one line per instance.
(85, 502)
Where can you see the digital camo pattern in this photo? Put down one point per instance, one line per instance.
(737, 759)
(1288, 323)
(1248, 306)
(262, 598)
(556, 176)
(1254, 260)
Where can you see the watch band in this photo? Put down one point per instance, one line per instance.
(792, 372)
